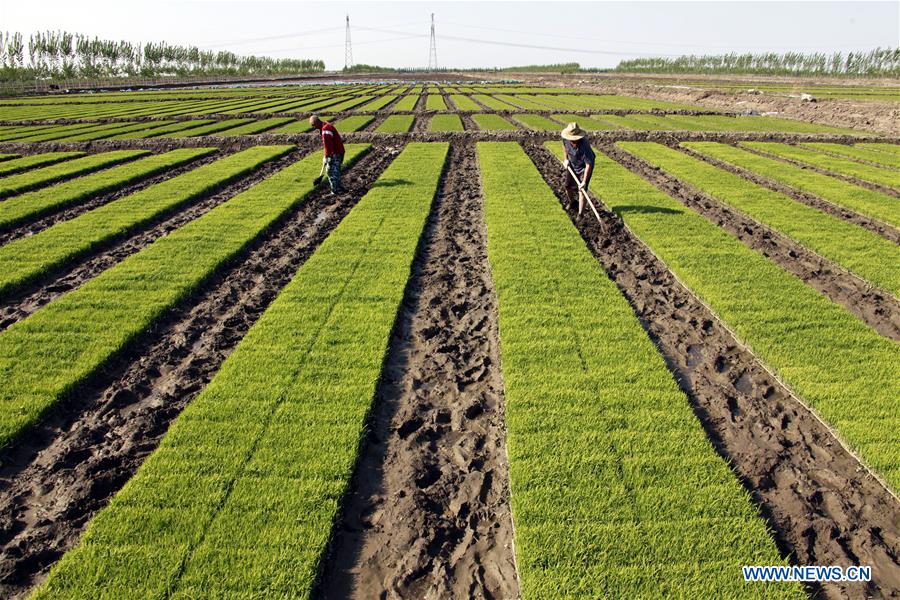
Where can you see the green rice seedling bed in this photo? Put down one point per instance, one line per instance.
(616, 491)
(43, 357)
(28, 258)
(860, 251)
(31, 205)
(240, 497)
(883, 159)
(33, 161)
(816, 346)
(214, 128)
(539, 122)
(378, 103)
(353, 123)
(435, 102)
(396, 124)
(839, 192)
(841, 166)
(463, 102)
(29, 180)
(263, 125)
(494, 103)
(445, 123)
(493, 122)
(406, 103)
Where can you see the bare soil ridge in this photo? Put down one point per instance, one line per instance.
(427, 515)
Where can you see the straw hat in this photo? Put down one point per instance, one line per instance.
(573, 132)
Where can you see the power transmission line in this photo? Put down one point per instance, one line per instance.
(432, 50)
(348, 49)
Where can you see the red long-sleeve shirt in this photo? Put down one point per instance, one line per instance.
(332, 140)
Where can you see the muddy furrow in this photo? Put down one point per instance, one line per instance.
(874, 225)
(95, 201)
(241, 142)
(73, 462)
(823, 505)
(875, 187)
(427, 512)
(469, 123)
(877, 308)
(32, 297)
(420, 125)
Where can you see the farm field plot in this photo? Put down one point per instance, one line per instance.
(834, 190)
(281, 460)
(841, 166)
(864, 253)
(624, 426)
(218, 379)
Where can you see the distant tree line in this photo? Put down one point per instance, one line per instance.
(556, 68)
(64, 55)
(881, 62)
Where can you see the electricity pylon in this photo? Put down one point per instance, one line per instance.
(348, 50)
(432, 52)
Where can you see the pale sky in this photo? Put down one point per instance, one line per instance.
(595, 34)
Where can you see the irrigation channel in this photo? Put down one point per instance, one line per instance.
(427, 511)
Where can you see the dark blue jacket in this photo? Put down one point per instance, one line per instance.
(579, 154)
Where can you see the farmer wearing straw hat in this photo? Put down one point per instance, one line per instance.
(580, 158)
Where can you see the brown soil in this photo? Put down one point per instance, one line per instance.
(428, 512)
(28, 299)
(823, 505)
(873, 225)
(87, 448)
(878, 309)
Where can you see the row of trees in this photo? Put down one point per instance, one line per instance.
(881, 62)
(64, 55)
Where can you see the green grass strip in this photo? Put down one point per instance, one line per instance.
(145, 130)
(353, 123)
(5, 157)
(493, 122)
(435, 102)
(258, 126)
(842, 193)
(463, 102)
(445, 123)
(32, 205)
(818, 347)
(26, 259)
(396, 124)
(214, 128)
(240, 496)
(299, 126)
(406, 103)
(892, 148)
(378, 103)
(616, 491)
(177, 127)
(538, 122)
(884, 159)
(22, 182)
(840, 166)
(494, 103)
(866, 254)
(45, 356)
(34, 161)
(521, 102)
(590, 123)
(108, 132)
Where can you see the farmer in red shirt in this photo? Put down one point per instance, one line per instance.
(334, 152)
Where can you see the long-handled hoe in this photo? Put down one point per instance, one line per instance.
(583, 192)
(318, 179)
